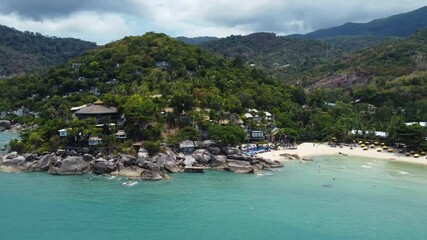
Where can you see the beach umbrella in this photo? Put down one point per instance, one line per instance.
(411, 152)
(372, 146)
(376, 143)
(390, 150)
(366, 142)
(423, 153)
(360, 142)
(382, 144)
(408, 154)
(379, 149)
(385, 147)
(365, 148)
(416, 156)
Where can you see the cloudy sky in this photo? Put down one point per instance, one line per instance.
(103, 21)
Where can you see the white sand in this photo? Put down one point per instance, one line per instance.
(307, 150)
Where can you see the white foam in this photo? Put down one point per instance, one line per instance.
(111, 177)
(129, 183)
(366, 166)
(402, 172)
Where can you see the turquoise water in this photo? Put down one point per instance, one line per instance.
(367, 200)
(5, 137)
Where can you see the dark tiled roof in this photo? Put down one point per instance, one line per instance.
(97, 109)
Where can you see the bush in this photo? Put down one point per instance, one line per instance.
(152, 147)
(17, 146)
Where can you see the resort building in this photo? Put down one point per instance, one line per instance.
(97, 110)
(256, 135)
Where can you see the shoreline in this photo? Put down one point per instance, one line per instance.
(309, 150)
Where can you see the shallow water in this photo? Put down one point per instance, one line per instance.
(330, 198)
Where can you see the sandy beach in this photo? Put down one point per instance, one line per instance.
(308, 150)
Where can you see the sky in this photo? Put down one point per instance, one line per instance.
(103, 21)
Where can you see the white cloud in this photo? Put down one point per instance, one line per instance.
(106, 20)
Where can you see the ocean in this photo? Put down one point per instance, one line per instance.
(330, 198)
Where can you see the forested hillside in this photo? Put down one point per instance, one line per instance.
(279, 56)
(143, 76)
(22, 52)
(393, 72)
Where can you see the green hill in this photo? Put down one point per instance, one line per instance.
(158, 84)
(22, 52)
(280, 56)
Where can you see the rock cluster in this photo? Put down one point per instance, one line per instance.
(142, 166)
(232, 159)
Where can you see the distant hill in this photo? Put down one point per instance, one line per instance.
(196, 40)
(401, 25)
(21, 52)
(356, 36)
(276, 54)
(389, 66)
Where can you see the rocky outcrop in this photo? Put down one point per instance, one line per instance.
(172, 167)
(102, 166)
(13, 162)
(218, 162)
(5, 125)
(131, 172)
(127, 160)
(150, 175)
(238, 166)
(142, 166)
(202, 156)
(42, 164)
(69, 166)
(231, 150)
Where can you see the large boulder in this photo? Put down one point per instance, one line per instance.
(131, 172)
(127, 160)
(88, 157)
(202, 156)
(171, 154)
(69, 166)
(218, 161)
(142, 161)
(240, 167)
(142, 153)
(231, 150)
(103, 167)
(151, 175)
(268, 163)
(214, 150)
(30, 157)
(43, 163)
(160, 159)
(172, 167)
(5, 125)
(13, 162)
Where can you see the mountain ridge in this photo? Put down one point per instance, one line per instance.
(22, 52)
